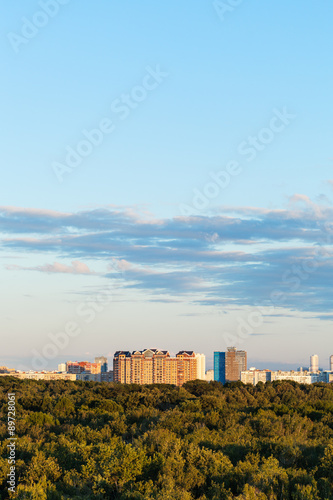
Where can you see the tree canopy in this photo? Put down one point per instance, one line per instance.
(205, 441)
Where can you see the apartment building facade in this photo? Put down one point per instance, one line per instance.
(154, 366)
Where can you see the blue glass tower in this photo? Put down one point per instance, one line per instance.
(219, 366)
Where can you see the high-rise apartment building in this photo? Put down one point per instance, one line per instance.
(201, 366)
(331, 363)
(314, 363)
(229, 365)
(153, 366)
(103, 361)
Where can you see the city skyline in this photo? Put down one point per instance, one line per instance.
(158, 366)
(168, 178)
(315, 363)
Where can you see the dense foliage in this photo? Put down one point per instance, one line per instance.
(82, 440)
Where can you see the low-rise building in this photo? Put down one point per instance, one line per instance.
(302, 377)
(327, 377)
(107, 376)
(4, 369)
(41, 375)
(253, 376)
(209, 377)
(88, 377)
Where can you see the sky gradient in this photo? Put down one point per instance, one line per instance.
(167, 167)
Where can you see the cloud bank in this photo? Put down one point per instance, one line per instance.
(237, 256)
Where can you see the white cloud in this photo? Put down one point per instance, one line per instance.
(76, 267)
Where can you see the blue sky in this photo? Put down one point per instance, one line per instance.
(186, 97)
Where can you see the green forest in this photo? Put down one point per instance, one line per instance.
(82, 440)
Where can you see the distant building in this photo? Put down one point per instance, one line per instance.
(62, 368)
(153, 366)
(209, 377)
(4, 369)
(314, 363)
(85, 376)
(201, 366)
(229, 365)
(103, 361)
(254, 376)
(331, 363)
(302, 377)
(73, 367)
(41, 375)
(107, 376)
(88, 377)
(247, 377)
(83, 366)
(327, 377)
